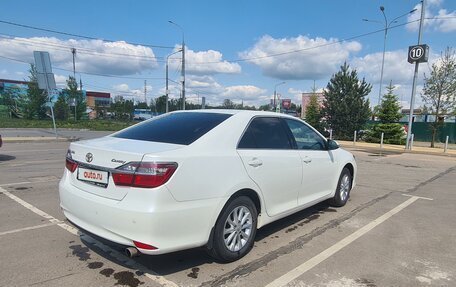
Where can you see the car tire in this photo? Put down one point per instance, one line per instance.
(235, 230)
(343, 189)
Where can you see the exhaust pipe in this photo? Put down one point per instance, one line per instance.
(131, 252)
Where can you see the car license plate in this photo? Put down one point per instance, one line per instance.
(94, 176)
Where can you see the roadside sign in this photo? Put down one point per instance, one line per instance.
(44, 80)
(42, 62)
(72, 102)
(45, 77)
(418, 54)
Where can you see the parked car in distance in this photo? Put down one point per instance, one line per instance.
(201, 178)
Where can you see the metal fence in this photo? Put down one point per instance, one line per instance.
(423, 132)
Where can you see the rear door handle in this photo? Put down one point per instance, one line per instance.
(307, 159)
(255, 162)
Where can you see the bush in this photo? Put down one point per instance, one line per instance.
(392, 134)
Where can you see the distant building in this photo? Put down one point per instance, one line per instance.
(419, 115)
(97, 104)
(4, 83)
(306, 100)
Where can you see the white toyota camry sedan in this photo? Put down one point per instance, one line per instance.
(201, 178)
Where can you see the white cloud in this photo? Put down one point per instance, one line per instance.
(204, 63)
(215, 93)
(121, 88)
(396, 67)
(318, 58)
(92, 56)
(60, 80)
(243, 92)
(203, 84)
(443, 21)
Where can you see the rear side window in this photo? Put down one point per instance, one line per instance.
(265, 133)
(176, 128)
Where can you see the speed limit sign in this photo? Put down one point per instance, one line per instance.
(418, 53)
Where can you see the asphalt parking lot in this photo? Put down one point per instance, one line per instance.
(398, 229)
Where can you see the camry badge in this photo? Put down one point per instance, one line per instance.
(89, 157)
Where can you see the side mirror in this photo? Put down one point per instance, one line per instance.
(332, 145)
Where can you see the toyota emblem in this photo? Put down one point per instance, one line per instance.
(89, 157)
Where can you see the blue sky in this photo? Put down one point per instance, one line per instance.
(230, 44)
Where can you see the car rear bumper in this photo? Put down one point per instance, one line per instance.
(150, 216)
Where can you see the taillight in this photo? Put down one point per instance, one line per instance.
(143, 174)
(144, 245)
(71, 165)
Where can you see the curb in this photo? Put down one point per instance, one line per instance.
(394, 151)
(36, 139)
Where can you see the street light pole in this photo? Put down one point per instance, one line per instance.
(167, 79)
(412, 99)
(383, 57)
(387, 26)
(183, 63)
(275, 95)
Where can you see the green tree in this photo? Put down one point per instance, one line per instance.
(313, 113)
(265, 107)
(160, 104)
(390, 110)
(61, 108)
(345, 106)
(36, 98)
(439, 92)
(122, 109)
(75, 95)
(141, 105)
(12, 98)
(228, 104)
(389, 114)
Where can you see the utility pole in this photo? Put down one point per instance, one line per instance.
(183, 63)
(145, 91)
(412, 99)
(183, 73)
(167, 90)
(167, 79)
(383, 56)
(73, 51)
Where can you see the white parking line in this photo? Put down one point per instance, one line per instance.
(317, 259)
(419, 197)
(26, 228)
(42, 179)
(33, 162)
(114, 253)
(15, 183)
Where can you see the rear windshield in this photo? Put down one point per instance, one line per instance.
(177, 128)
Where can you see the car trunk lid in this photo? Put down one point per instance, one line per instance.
(97, 158)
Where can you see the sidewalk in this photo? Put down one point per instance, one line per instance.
(397, 148)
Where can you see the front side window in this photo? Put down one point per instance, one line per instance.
(265, 133)
(305, 137)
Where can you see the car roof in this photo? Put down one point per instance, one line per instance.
(234, 112)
